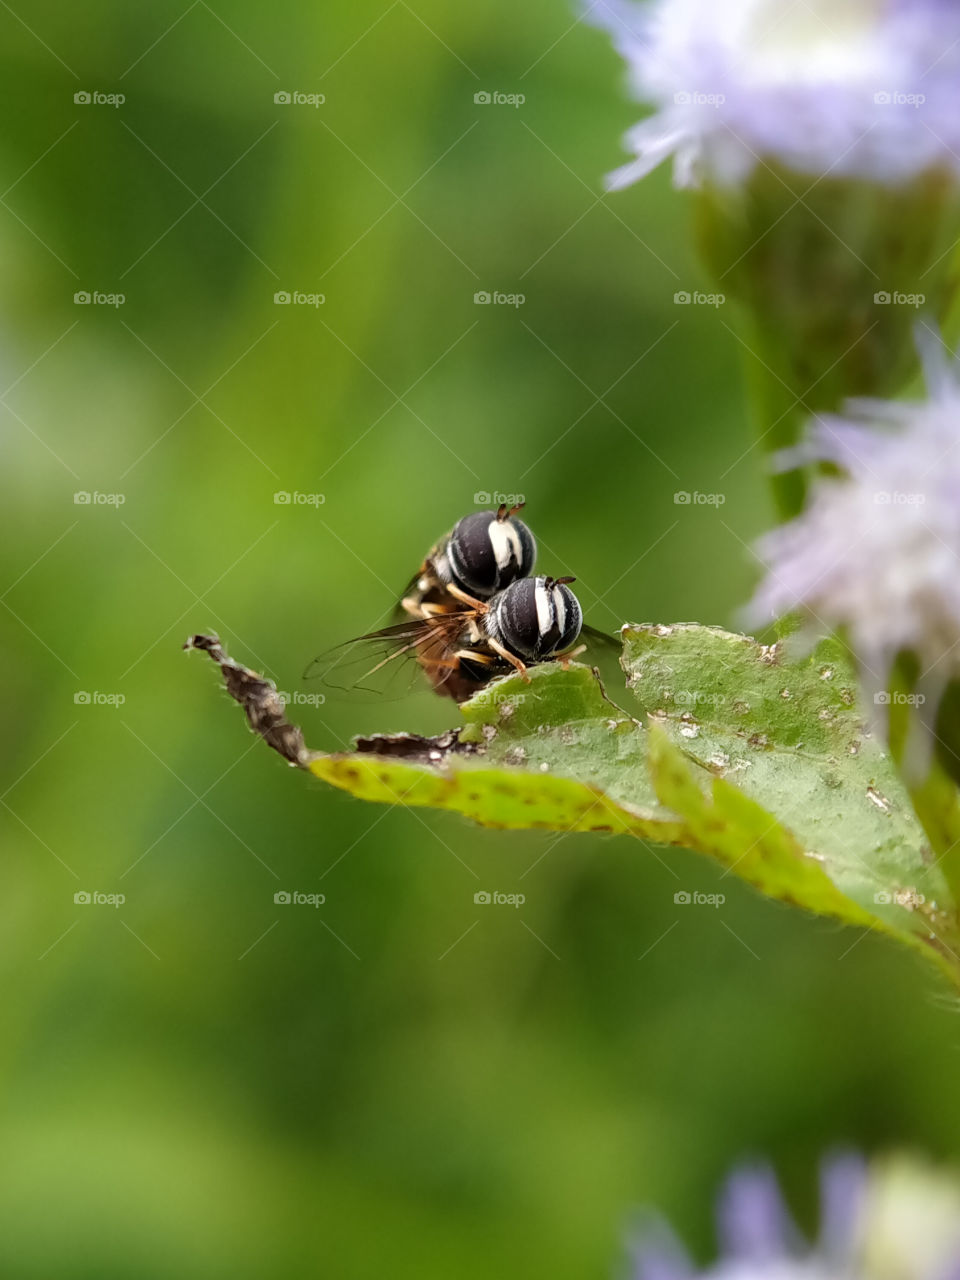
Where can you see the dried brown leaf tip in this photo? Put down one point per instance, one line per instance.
(265, 708)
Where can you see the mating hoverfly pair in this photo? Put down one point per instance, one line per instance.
(473, 614)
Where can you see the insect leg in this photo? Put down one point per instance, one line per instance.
(565, 658)
(462, 596)
(509, 657)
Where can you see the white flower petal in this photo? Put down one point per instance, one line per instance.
(865, 88)
(878, 552)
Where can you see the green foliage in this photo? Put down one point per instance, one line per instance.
(789, 735)
(813, 335)
(752, 757)
(204, 1084)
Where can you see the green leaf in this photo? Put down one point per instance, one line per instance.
(758, 761)
(932, 766)
(552, 754)
(789, 735)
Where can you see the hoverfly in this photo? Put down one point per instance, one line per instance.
(460, 650)
(485, 552)
(474, 613)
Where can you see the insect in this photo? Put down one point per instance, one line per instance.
(461, 650)
(484, 553)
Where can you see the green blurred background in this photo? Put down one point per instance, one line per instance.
(201, 1083)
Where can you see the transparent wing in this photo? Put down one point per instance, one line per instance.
(398, 612)
(388, 663)
(600, 642)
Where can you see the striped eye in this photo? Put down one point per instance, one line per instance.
(535, 618)
(487, 551)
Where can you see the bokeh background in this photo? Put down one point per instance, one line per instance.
(201, 1082)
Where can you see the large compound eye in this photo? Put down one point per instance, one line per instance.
(535, 618)
(485, 553)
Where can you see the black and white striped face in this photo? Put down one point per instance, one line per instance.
(535, 618)
(485, 553)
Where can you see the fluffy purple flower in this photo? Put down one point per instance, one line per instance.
(895, 1220)
(877, 551)
(858, 88)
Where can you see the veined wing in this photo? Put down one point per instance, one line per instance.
(385, 663)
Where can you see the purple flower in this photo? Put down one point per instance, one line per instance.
(893, 1220)
(877, 552)
(861, 88)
